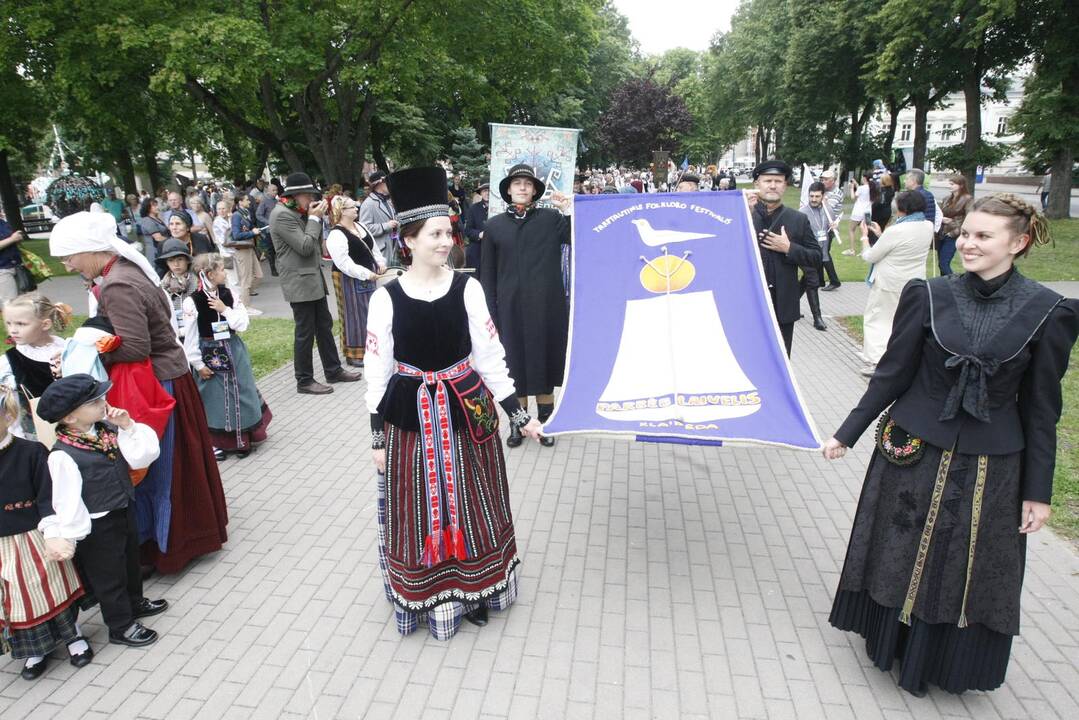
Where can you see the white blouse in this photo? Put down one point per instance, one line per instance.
(139, 446)
(337, 246)
(488, 356)
(236, 316)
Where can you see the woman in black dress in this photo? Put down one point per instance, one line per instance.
(963, 468)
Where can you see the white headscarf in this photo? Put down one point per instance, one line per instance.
(95, 232)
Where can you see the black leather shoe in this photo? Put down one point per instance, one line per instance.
(243, 453)
(515, 439)
(33, 673)
(147, 607)
(819, 324)
(219, 454)
(344, 375)
(82, 659)
(831, 286)
(314, 388)
(135, 636)
(546, 441)
(477, 617)
(354, 363)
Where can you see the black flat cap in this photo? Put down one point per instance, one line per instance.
(773, 167)
(69, 393)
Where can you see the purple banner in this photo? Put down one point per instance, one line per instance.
(671, 330)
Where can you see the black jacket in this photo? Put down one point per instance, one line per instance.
(922, 373)
(781, 270)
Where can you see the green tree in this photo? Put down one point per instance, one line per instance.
(468, 156)
(1048, 117)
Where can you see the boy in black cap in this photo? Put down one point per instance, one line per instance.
(786, 242)
(95, 447)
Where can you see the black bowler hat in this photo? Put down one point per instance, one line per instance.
(375, 178)
(418, 194)
(773, 167)
(298, 183)
(68, 394)
(521, 170)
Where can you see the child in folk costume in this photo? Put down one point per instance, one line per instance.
(970, 388)
(27, 367)
(435, 369)
(96, 446)
(236, 414)
(356, 262)
(38, 583)
(179, 281)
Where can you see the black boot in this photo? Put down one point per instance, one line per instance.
(543, 412)
(833, 277)
(516, 438)
(477, 616)
(814, 306)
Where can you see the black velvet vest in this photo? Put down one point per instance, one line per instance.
(356, 248)
(429, 336)
(36, 375)
(206, 314)
(106, 484)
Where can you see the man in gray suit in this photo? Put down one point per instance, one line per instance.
(378, 216)
(296, 228)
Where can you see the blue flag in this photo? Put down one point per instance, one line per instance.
(685, 163)
(672, 333)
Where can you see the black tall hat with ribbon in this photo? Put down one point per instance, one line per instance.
(418, 194)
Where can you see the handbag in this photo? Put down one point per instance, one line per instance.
(24, 280)
(37, 267)
(897, 445)
(216, 356)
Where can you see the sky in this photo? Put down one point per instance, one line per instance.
(660, 25)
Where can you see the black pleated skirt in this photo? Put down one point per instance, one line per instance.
(952, 658)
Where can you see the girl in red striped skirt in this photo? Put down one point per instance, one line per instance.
(38, 583)
(435, 369)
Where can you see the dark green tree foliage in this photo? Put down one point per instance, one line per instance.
(1048, 117)
(643, 116)
(468, 157)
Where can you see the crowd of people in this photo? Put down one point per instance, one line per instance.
(140, 406)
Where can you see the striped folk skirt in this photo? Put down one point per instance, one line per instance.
(37, 596)
(440, 595)
(353, 299)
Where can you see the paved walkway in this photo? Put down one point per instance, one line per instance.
(659, 581)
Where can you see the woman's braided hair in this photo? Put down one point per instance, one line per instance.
(1025, 218)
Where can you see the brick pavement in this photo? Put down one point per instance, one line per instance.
(658, 581)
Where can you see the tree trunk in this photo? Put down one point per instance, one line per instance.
(149, 160)
(261, 156)
(972, 96)
(893, 123)
(921, 117)
(9, 196)
(1060, 188)
(127, 170)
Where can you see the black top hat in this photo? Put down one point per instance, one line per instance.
(520, 170)
(419, 194)
(773, 167)
(69, 393)
(297, 183)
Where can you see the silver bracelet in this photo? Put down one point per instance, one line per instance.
(378, 440)
(520, 418)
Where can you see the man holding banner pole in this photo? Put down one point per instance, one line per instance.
(786, 243)
(521, 274)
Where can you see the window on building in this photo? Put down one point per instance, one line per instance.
(1002, 125)
(946, 131)
(904, 133)
(928, 131)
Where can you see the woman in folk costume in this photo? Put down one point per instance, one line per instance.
(963, 469)
(180, 505)
(38, 583)
(235, 411)
(435, 368)
(356, 262)
(27, 368)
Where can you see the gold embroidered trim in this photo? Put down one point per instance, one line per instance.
(975, 519)
(927, 535)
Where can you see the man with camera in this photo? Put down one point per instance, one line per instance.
(786, 242)
(296, 228)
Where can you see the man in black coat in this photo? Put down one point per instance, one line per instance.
(521, 274)
(786, 242)
(475, 219)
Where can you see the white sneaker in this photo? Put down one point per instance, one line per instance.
(253, 311)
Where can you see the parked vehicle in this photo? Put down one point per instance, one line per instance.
(37, 218)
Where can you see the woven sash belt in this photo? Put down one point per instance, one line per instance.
(439, 460)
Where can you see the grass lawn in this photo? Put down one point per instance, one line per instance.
(1065, 518)
(41, 249)
(269, 340)
(1057, 261)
